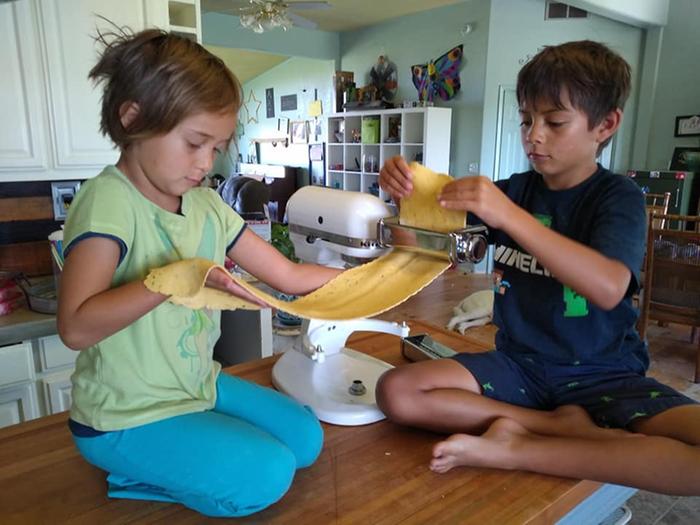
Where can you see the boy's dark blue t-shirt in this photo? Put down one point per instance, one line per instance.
(538, 315)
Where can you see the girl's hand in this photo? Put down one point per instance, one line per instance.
(480, 196)
(395, 178)
(219, 280)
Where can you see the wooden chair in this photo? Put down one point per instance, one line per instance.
(657, 203)
(672, 278)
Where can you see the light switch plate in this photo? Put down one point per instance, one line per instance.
(62, 194)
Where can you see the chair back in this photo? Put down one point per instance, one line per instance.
(657, 203)
(672, 278)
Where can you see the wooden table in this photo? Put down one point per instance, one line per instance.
(370, 474)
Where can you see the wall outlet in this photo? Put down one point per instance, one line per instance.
(63, 194)
(473, 167)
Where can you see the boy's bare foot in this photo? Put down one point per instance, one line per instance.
(492, 449)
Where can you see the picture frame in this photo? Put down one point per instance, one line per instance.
(299, 132)
(685, 159)
(687, 126)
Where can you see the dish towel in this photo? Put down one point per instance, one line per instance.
(474, 310)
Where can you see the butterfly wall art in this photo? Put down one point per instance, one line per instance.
(439, 77)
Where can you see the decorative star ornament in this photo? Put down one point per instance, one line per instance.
(248, 104)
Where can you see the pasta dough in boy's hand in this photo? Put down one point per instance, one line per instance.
(421, 208)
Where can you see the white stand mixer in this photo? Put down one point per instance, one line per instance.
(338, 383)
(335, 227)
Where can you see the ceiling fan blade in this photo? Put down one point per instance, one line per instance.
(300, 21)
(309, 5)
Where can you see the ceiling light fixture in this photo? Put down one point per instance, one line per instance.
(265, 16)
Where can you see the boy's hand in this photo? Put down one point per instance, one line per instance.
(480, 196)
(219, 280)
(395, 178)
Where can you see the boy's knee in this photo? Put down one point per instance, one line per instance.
(392, 395)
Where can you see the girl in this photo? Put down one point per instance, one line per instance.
(149, 404)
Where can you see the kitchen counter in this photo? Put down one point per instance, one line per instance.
(24, 324)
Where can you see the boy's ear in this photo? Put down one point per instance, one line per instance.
(128, 112)
(609, 125)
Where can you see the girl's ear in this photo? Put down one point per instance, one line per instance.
(609, 125)
(128, 112)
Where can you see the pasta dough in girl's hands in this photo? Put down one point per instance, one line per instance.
(363, 291)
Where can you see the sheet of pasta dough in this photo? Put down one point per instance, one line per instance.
(422, 210)
(363, 291)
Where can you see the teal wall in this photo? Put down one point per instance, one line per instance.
(415, 39)
(677, 84)
(517, 29)
(296, 76)
(226, 31)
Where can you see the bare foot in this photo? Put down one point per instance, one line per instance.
(492, 449)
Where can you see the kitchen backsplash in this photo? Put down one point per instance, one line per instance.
(26, 220)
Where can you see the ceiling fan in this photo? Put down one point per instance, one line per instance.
(260, 15)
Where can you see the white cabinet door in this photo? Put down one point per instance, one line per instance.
(18, 404)
(71, 51)
(23, 123)
(57, 391)
(69, 27)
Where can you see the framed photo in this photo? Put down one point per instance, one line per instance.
(685, 159)
(687, 126)
(299, 132)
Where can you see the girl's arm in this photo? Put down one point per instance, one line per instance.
(261, 259)
(88, 309)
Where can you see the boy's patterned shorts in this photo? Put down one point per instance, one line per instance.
(613, 396)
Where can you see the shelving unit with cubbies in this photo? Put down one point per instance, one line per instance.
(358, 144)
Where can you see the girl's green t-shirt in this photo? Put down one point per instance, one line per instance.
(161, 365)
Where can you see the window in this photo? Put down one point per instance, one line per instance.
(560, 10)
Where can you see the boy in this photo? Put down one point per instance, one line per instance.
(569, 243)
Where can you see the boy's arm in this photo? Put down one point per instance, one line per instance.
(261, 259)
(600, 279)
(88, 309)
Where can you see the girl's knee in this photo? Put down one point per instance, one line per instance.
(241, 495)
(310, 440)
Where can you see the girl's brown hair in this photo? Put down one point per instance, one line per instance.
(168, 76)
(596, 79)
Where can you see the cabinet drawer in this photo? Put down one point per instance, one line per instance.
(54, 354)
(16, 364)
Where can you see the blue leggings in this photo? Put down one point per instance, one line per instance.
(233, 460)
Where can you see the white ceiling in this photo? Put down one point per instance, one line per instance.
(343, 15)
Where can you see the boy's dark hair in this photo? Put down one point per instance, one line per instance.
(168, 76)
(596, 79)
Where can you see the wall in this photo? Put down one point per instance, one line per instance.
(415, 39)
(296, 76)
(517, 30)
(640, 13)
(226, 31)
(677, 83)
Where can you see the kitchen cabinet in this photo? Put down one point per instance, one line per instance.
(359, 143)
(35, 379)
(51, 111)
